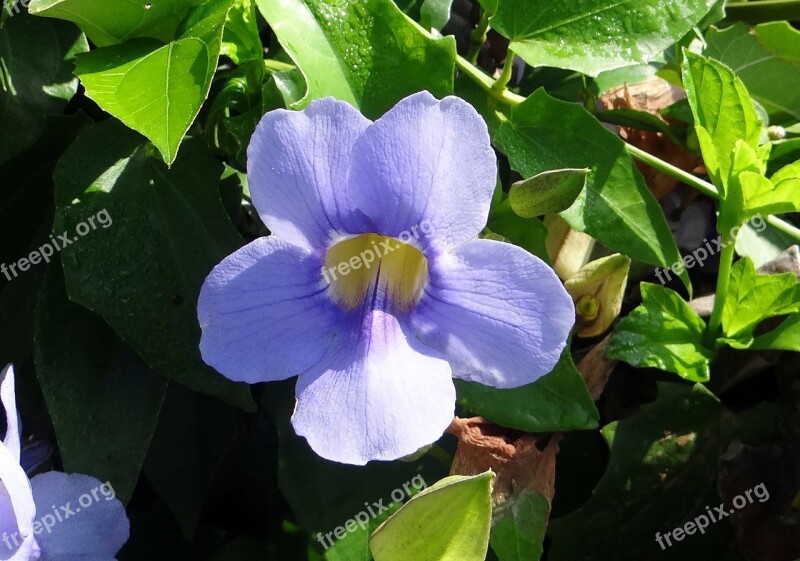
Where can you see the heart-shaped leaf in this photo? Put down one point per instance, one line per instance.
(158, 89)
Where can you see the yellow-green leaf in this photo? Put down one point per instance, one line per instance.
(449, 521)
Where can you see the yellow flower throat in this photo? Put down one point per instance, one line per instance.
(370, 262)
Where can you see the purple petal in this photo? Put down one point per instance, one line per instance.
(265, 314)
(426, 162)
(500, 315)
(9, 399)
(297, 164)
(382, 398)
(93, 525)
(17, 509)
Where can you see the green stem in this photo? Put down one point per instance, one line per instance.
(487, 84)
(273, 65)
(479, 37)
(724, 276)
(784, 227)
(703, 186)
(505, 76)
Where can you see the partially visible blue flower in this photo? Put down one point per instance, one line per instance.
(374, 288)
(42, 518)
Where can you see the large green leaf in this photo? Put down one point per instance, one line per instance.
(143, 272)
(723, 114)
(26, 222)
(109, 22)
(661, 475)
(448, 521)
(767, 59)
(591, 36)
(154, 88)
(366, 52)
(193, 435)
(103, 400)
(559, 401)
(616, 207)
(35, 77)
(664, 332)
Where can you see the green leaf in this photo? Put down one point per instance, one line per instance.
(193, 435)
(723, 114)
(547, 192)
(158, 89)
(752, 298)
(240, 40)
(355, 544)
(166, 230)
(591, 36)
(103, 400)
(448, 521)
(35, 77)
(559, 401)
(26, 222)
(366, 52)
(745, 181)
(785, 337)
(641, 120)
(518, 534)
(527, 233)
(616, 207)
(110, 22)
(663, 332)
(780, 194)
(767, 59)
(661, 474)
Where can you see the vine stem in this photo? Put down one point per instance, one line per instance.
(277, 66)
(487, 83)
(725, 263)
(478, 36)
(505, 76)
(692, 180)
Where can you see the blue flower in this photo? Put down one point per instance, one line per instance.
(54, 516)
(374, 288)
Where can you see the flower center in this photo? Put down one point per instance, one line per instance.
(375, 264)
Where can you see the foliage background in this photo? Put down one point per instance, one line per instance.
(105, 336)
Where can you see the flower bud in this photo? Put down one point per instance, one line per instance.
(597, 291)
(568, 249)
